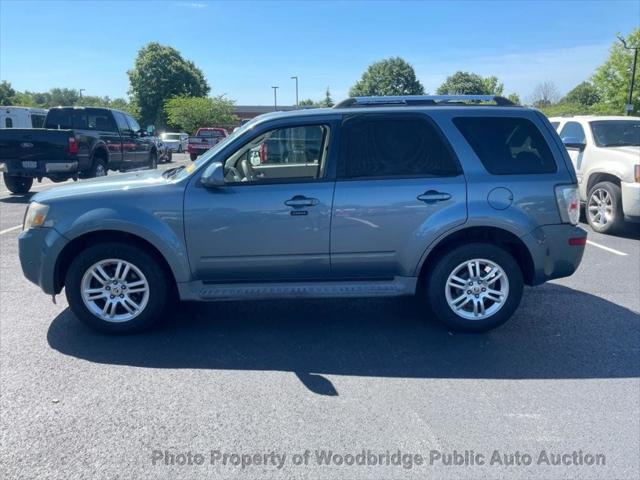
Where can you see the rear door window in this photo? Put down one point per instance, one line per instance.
(392, 146)
(507, 145)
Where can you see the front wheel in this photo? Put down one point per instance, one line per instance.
(153, 160)
(18, 185)
(116, 288)
(474, 287)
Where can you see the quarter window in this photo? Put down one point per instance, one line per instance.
(379, 146)
(573, 130)
(37, 121)
(507, 145)
(285, 153)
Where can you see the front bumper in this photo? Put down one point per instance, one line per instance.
(42, 168)
(39, 248)
(630, 198)
(552, 254)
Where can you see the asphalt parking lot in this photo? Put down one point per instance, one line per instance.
(280, 378)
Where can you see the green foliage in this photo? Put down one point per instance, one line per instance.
(514, 97)
(160, 73)
(467, 83)
(190, 113)
(584, 93)
(391, 76)
(327, 101)
(6, 93)
(612, 79)
(560, 109)
(307, 102)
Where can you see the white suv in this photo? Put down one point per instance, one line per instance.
(605, 152)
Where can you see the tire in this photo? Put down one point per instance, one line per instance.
(169, 156)
(18, 185)
(152, 297)
(509, 284)
(604, 208)
(153, 160)
(98, 169)
(193, 157)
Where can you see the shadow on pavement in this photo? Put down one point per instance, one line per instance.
(557, 333)
(14, 198)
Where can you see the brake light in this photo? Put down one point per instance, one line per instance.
(73, 145)
(636, 173)
(568, 202)
(578, 241)
(264, 151)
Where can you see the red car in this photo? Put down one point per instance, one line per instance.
(204, 139)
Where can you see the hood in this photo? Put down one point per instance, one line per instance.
(133, 181)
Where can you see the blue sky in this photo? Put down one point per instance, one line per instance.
(244, 48)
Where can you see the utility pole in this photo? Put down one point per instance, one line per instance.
(296, 79)
(275, 97)
(629, 105)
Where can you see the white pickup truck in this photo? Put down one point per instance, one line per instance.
(605, 152)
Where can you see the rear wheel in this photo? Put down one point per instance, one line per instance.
(474, 287)
(604, 207)
(116, 288)
(19, 185)
(98, 169)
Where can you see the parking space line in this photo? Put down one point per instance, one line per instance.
(611, 250)
(11, 229)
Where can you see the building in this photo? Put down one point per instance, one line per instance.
(247, 112)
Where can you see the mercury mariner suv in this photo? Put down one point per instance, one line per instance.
(457, 199)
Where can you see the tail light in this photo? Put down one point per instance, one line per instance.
(264, 151)
(636, 173)
(73, 145)
(568, 203)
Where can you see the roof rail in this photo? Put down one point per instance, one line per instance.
(408, 100)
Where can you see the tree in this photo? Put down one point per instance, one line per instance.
(307, 102)
(584, 93)
(544, 94)
(190, 113)
(391, 76)
(514, 97)
(327, 101)
(6, 93)
(613, 77)
(159, 74)
(467, 83)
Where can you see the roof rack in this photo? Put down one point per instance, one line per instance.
(408, 100)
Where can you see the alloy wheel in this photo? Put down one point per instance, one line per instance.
(114, 290)
(600, 208)
(476, 289)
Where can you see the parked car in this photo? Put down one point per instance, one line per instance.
(204, 139)
(605, 152)
(75, 142)
(458, 204)
(165, 154)
(176, 142)
(22, 117)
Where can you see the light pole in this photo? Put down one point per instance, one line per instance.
(629, 106)
(296, 79)
(275, 97)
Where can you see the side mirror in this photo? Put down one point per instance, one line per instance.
(213, 175)
(574, 142)
(151, 130)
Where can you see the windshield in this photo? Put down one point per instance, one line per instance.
(171, 136)
(616, 133)
(205, 157)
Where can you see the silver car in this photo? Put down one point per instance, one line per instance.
(459, 200)
(176, 142)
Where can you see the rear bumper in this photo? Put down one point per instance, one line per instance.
(552, 251)
(42, 168)
(630, 198)
(38, 249)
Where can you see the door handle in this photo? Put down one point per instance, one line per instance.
(301, 201)
(432, 196)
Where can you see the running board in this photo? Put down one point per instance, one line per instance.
(235, 291)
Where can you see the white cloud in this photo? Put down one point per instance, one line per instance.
(521, 72)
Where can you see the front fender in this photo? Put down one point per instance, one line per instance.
(162, 229)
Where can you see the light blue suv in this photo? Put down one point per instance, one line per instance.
(459, 200)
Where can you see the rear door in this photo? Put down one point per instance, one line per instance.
(399, 186)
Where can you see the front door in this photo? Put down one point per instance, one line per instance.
(399, 187)
(271, 221)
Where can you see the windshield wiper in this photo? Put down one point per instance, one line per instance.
(170, 173)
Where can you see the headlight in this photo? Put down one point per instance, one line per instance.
(36, 216)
